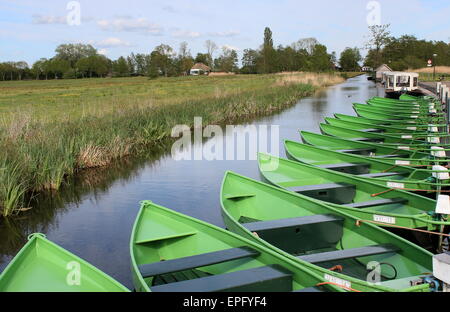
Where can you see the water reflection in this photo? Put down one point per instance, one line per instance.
(93, 216)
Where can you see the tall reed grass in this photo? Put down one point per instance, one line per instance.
(43, 145)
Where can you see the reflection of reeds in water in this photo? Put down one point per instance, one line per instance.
(15, 230)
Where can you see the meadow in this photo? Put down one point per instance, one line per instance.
(51, 130)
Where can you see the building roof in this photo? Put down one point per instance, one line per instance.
(201, 66)
(383, 67)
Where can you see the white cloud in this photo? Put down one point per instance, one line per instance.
(186, 34)
(232, 33)
(49, 19)
(103, 51)
(128, 24)
(230, 47)
(112, 42)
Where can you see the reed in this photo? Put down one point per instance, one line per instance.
(47, 134)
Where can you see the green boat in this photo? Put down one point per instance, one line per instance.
(43, 266)
(360, 198)
(326, 240)
(386, 130)
(393, 139)
(399, 112)
(401, 155)
(388, 117)
(381, 123)
(376, 171)
(171, 252)
(425, 109)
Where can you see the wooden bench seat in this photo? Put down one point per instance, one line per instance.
(186, 263)
(349, 253)
(337, 193)
(263, 279)
(379, 202)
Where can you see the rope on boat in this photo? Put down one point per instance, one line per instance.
(341, 286)
(358, 223)
(409, 189)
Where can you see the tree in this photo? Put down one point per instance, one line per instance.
(202, 58)
(379, 36)
(268, 53)
(153, 71)
(306, 44)
(74, 52)
(163, 58)
(320, 59)
(120, 68)
(350, 59)
(58, 67)
(227, 62)
(21, 68)
(250, 61)
(211, 48)
(184, 60)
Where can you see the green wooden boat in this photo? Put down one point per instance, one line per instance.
(43, 266)
(388, 117)
(428, 108)
(386, 130)
(401, 155)
(399, 112)
(171, 252)
(373, 170)
(393, 139)
(381, 123)
(321, 238)
(360, 198)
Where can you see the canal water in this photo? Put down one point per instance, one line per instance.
(93, 217)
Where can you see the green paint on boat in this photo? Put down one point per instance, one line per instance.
(320, 237)
(352, 195)
(385, 130)
(399, 113)
(389, 117)
(412, 157)
(382, 123)
(172, 252)
(376, 171)
(43, 266)
(393, 140)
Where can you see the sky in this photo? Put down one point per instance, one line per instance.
(31, 29)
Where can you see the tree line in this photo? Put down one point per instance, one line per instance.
(404, 52)
(84, 61)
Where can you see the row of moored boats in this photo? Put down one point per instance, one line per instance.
(318, 224)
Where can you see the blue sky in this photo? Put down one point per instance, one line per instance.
(32, 29)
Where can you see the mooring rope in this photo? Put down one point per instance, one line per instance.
(341, 286)
(358, 223)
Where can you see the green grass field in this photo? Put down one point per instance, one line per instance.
(49, 130)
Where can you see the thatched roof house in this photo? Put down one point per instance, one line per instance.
(200, 69)
(381, 69)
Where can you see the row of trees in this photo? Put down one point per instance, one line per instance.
(81, 61)
(405, 52)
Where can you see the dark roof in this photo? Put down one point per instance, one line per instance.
(202, 67)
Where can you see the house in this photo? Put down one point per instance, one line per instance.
(380, 70)
(200, 69)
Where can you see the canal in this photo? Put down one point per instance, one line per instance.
(93, 216)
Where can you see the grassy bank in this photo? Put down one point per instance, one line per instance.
(50, 130)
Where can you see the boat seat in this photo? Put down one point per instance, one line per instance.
(358, 151)
(350, 168)
(186, 263)
(392, 156)
(375, 140)
(349, 253)
(311, 289)
(297, 235)
(381, 174)
(372, 130)
(272, 278)
(337, 193)
(379, 202)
